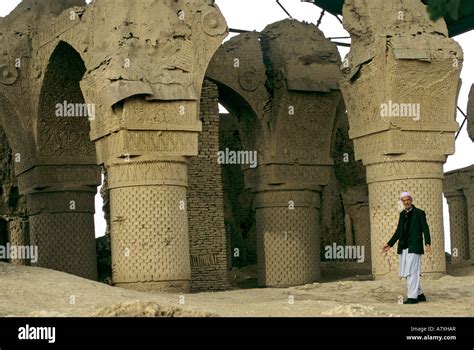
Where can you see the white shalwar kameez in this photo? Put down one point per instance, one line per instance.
(410, 267)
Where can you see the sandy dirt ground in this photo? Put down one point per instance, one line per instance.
(29, 291)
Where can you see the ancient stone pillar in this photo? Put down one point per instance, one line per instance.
(60, 205)
(400, 89)
(147, 102)
(288, 237)
(457, 187)
(294, 156)
(149, 222)
(458, 226)
(282, 86)
(469, 195)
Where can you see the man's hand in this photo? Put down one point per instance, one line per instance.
(428, 248)
(386, 248)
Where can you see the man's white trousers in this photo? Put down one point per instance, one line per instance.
(410, 267)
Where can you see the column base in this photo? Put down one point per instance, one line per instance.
(288, 238)
(164, 286)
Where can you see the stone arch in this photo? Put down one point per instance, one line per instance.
(241, 108)
(239, 131)
(240, 80)
(63, 137)
(212, 227)
(209, 264)
(239, 72)
(140, 116)
(61, 186)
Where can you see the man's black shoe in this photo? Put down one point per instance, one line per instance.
(411, 301)
(421, 298)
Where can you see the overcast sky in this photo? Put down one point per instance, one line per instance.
(255, 15)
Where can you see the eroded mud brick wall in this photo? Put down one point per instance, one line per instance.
(208, 242)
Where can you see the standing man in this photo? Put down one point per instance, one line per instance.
(410, 229)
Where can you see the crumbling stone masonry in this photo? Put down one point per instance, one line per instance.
(53, 156)
(141, 69)
(458, 189)
(128, 80)
(400, 88)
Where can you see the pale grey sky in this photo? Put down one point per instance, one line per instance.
(255, 15)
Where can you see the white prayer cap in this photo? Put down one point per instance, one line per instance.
(405, 194)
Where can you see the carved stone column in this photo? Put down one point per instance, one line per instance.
(469, 195)
(458, 188)
(147, 181)
(425, 182)
(458, 226)
(288, 237)
(147, 101)
(402, 78)
(285, 95)
(149, 222)
(60, 204)
(295, 161)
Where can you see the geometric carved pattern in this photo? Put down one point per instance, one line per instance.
(384, 215)
(152, 172)
(66, 242)
(149, 235)
(392, 170)
(459, 228)
(470, 214)
(288, 246)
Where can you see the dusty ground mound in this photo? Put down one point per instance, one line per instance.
(29, 291)
(147, 309)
